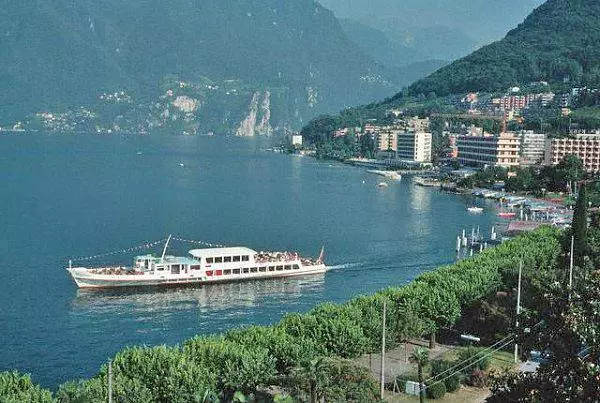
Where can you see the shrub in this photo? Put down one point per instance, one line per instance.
(478, 378)
(452, 382)
(19, 388)
(474, 354)
(436, 390)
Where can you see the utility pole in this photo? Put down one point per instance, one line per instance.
(382, 380)
(110, 386)
(518, 309)
(571, 266)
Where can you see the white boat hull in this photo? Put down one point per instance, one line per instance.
(85, 278)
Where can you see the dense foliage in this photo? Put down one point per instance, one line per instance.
(16, 388)
(556, 43)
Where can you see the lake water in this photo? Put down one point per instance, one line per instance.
(69, 196)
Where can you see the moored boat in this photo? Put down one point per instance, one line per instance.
(203, 266)
(475, 210)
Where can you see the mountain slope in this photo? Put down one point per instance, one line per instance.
(557, 42)
(67, 53)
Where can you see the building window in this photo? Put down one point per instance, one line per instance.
(246, 270)
(236, 258)
(279, 268)
(226, 272)
(271, 268)
(288, 267)
(218, 260)
(195, 267)
(245, 258)
(227, 259)
(296, 267)
(209, 260)
(236, 271)
(254, 270)
(262, 269)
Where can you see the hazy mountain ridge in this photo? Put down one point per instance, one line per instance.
(67, 53)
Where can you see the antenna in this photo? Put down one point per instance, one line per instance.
(165, 248)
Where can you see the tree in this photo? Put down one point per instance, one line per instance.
(571, 169)
(16, 388)
(579, 227)
(420, 357)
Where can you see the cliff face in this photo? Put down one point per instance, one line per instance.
(60, 56)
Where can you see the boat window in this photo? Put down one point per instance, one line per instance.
(227, 272)
(262, 269)
(209, 260)
(279, 268)
(175, 269)
(254, 270)
(219, 260)
(236, 271)
(245, 258)
(288, 267)
(236, 258)
(296, 267)
(160, 268)
(227, 259)
(195, 267)
(246, 270)
(271, 268)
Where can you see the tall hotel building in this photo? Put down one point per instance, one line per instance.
(489, 150)
(585, 146)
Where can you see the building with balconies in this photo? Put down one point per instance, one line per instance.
(585, 146)
(489, 150)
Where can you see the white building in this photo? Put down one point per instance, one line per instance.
(533, 148)
(297, 140)
(414, 146)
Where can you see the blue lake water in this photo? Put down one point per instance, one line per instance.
(69, 196)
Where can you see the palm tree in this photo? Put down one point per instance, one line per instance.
(420, 356)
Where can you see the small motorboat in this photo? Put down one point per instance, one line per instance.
(507, 214)
(382, 184)
(475, 210)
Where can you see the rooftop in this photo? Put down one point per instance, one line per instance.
(234, 251)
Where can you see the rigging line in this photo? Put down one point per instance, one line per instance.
(146, 245)
(197, 242)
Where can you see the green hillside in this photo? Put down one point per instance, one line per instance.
(557, 42)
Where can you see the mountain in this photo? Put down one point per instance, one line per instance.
(482, 20)
(557, 43)
(207, 65)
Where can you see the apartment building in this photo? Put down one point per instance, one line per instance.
(585, 146)
(489, 150)
(533, 148)
(414, 146)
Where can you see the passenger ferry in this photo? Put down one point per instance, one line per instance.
(203, 266)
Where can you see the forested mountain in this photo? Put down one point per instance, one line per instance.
(233, 65)
(557, 42)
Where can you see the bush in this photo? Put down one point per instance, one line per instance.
(474, 354)
(436, 390)
(478, 378)
(19, 388)
(452, 383)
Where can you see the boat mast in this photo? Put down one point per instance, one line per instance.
(165, 248)
(321, 255)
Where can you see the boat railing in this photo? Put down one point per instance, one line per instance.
(267, 257)
(116, 271)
